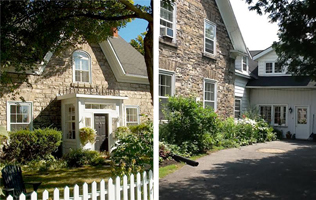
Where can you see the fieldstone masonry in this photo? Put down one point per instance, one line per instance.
(186, 58)
(43, 89)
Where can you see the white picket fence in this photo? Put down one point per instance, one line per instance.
(141, 189)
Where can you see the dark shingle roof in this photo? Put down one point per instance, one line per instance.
(281, 81)
(132, 61)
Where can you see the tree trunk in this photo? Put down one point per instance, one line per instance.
(148, 48)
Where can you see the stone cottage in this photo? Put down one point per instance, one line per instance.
(102, 86)
(200, 46)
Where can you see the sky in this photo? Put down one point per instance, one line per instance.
(136, 27)
(257, 32)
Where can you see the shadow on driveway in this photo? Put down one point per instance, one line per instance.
(230, 174)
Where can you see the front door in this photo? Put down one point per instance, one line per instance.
(302, 122)
(101, 126)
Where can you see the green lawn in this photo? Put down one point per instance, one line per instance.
(66, 177)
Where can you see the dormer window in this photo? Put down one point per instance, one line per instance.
(81, 67)
(273, 68)
(245, 63)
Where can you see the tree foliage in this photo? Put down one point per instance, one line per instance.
(138, 43)
(29, 29)
(297, 32)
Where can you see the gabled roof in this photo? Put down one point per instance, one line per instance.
(127, 64)
(262, 53)
(232, 27)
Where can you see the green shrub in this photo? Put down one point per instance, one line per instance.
(81, 157)
(28, 145)
(134, 151)
(189, 124)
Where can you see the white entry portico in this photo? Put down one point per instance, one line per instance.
(103, 113)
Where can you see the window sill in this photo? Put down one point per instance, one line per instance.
(280, 126)
(81, 85)
(168, 42)
(208, 55)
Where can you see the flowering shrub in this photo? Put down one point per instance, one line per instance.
(86, 135)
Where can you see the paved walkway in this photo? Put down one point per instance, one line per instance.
(273, 170)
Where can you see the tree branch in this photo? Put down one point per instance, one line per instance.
(138, 12)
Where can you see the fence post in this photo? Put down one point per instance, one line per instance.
(102, 190)
(145, 185)
(56, 194)
(9, 197)
(139, 187)
(125, 192)
(151, 189)
(132, 187)
(111, 194)
(66, 193)
(117, 188)
(34, 196)
(94, 191)
(22, 196)
(45, 195)
(76, 192)
(85, 191)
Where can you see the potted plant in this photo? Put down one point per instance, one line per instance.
(87, 134)
(288, 135)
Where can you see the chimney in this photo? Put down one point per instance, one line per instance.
(114, 32)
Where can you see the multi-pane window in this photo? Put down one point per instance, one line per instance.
(70, 121)
(279, 115)
(166, 87)
(132, 116)
(273, 67)
(210, 94)
(237, 108)
(19, 115)
(274, 114)
(277, 68)
(166, 19)
(82, 67)
(265, 112)
(268, 68)
(209, 37)
(245, 63)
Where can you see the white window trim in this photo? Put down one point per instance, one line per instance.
(74, 67)
(131, 106)
(168, 73)
(9, 103)
(240, 100)
(273, 68)
(272, 113)
(174, 23)
(214, 46)
(206, 80)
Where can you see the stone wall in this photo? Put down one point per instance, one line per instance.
(186, 59)
(43, 89)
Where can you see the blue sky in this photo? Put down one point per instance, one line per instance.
(136, 27)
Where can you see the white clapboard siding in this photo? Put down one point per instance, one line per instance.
(241, 92)
(270, 57)
(113, 191)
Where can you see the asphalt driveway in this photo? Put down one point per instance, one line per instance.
(273, 170)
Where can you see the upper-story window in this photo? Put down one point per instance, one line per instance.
(81, 67)
(166, 88)
(167, 20)
(245, 63)
(210, 93)
(273, 67)
(209, 37)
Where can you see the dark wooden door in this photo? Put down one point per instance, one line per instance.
(101, 126)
